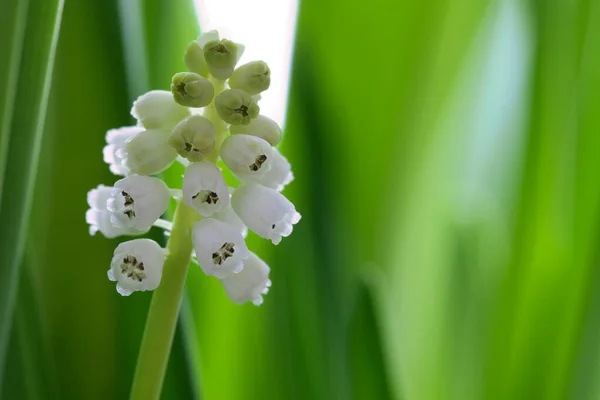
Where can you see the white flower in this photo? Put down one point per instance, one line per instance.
(262, 127)
(248, 157)
(280, 173)
(158, 110)
(137, 265)
(220, 248)
(99, 217)
(265, 211)
(204, 188)
(229, 216)
(115, 139)
(138, 201)
(250, 283)
(147, 153)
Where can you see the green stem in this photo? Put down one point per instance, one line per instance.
(213, 116)
(164, 309)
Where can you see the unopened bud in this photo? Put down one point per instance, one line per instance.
(262, 127)
(194, 59)
(252, 78)
(193, 138)
(236, 107)
(191, 90)
(221, 57)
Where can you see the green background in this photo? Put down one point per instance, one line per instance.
(447, 158)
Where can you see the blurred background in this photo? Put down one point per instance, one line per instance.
(447, 158)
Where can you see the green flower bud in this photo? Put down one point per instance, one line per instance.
(221, 57)
(192, 90)
(252, 78)
(194, 59)
(193, 138)
(236, 107)
(262, 127)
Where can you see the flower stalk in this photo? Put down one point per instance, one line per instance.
(164, 309)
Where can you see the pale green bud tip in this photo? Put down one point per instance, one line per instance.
(193, 138)
(194, 59)
(221, 57)
(236, 107)
(252, 78)
(262, 127)
(191, 90)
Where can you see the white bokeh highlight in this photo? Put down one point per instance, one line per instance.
(266, 28)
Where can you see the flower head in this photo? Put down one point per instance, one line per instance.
(172, 127)
(220, 248)
(204, 188)
(137, 202)
(250, 284)
(136, 266)
(265, 211)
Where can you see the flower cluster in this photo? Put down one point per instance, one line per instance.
(211, 114)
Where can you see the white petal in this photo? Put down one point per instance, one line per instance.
(248, 157)
(100, 221)
(280, 173)
(138, 201)
(204, 188)
(265, 211)
(229, 216)
(262, 127)
(220, 248)
(119, 136)
(207, 37)
(112, 152)
(137, 265)
(250, 283)
(158, 110)
(147, 153)
(98, 197)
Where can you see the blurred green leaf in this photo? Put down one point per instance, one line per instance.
(27, 81)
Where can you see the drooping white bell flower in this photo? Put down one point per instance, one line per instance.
(147, 153)
(98, 216)
(262, 127)
(250, 284)
(280, 173)
(113, 151)
(204, 188)
(220, 248)
(158, 110)
(229, 216)
(248, 157)
(138, 201)
(265, 211)
(137, 266)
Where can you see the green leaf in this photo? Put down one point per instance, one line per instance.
(23, 118)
